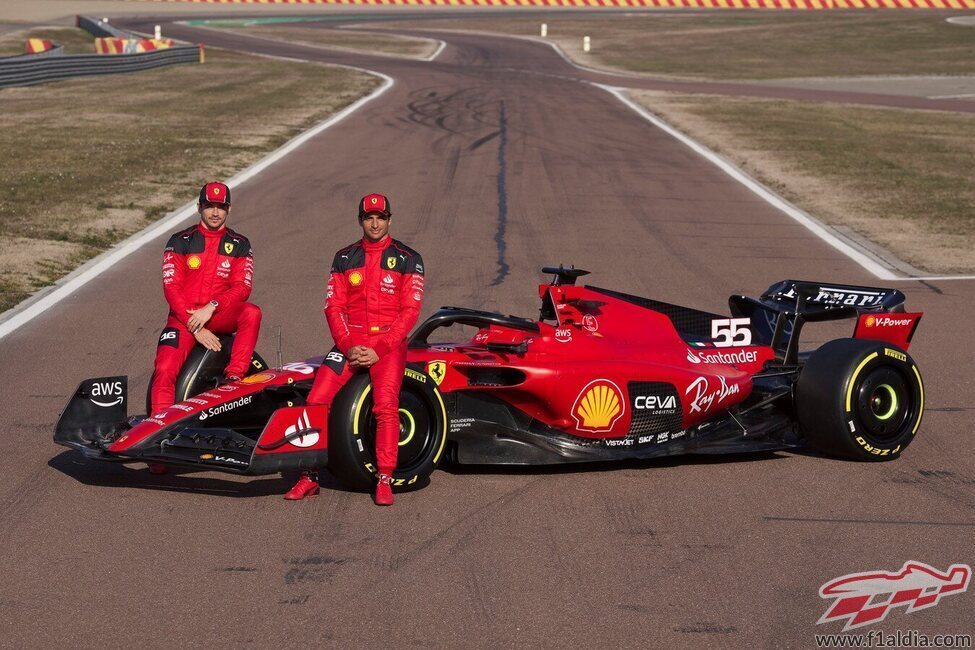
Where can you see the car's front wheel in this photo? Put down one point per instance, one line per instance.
(860, 399)
(352, 432)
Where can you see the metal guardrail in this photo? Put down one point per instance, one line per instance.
(32, 69)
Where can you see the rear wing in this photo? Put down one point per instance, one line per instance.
(778, 315)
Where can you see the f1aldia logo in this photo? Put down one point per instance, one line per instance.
(866, 598)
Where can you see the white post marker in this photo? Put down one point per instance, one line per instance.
(544, 30)
(585, 43)
(158, 32)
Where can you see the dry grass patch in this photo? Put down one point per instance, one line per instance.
(899, 178)
(752, 45)
(85, 163)
(75, 41)
(343, 39)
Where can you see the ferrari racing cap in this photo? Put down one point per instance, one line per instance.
(374, 203)
(215, 193)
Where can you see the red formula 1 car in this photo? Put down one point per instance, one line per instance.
(599, 376)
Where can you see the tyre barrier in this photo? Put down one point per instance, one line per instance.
(39, 46)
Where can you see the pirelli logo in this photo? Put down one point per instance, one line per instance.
(900, 356)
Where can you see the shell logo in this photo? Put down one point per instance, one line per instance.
(206, 456)
(598, 407)
(259, 378)
(871, 321)
(193, 262)
(355, 278)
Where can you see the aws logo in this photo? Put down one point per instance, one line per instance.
(107, 393)
(599, 406)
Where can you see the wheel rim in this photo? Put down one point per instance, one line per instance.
(417, 431)
(884, 404)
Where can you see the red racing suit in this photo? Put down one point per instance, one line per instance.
(200, 265)
(374, 296)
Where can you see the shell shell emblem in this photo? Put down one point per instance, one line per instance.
(355, 278)
(599, 406)
(259, 378)
(871, 321)
(193, 262)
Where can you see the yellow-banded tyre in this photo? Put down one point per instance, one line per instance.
(860, 399)
(352, 432)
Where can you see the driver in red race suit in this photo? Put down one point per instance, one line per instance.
(374, 296)
(207, 274)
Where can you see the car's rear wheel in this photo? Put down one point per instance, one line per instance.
(203, 370)
(352, 432)
(860, 399)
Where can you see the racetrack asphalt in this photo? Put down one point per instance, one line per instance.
(499, 159)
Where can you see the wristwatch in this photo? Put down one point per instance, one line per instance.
(214, 303)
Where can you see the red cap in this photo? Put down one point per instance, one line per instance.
(374, 203)
(215, 193)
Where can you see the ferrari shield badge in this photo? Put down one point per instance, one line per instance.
(437, 370)
(391, 262)
(228, 248)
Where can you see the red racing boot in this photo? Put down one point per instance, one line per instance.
(307, 486)
(384, 491)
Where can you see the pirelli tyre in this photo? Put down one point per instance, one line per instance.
(203, 370)
(860, 399)
(352, 432)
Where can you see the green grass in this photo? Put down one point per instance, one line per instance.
(85, 163)
(900, 178)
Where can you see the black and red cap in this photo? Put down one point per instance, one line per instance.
(374, 203)
(215, 193)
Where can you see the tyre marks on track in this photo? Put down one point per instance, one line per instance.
(502, 197)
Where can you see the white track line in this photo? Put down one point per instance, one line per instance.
(40, 303)
(953, 96)
(879, 270)
(763, 192)
(364, 28)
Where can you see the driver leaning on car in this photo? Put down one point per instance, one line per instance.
(207, 274)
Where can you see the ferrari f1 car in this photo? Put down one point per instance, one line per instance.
(599, 376)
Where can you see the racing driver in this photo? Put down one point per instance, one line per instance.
(373, 298)
(207, 272)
